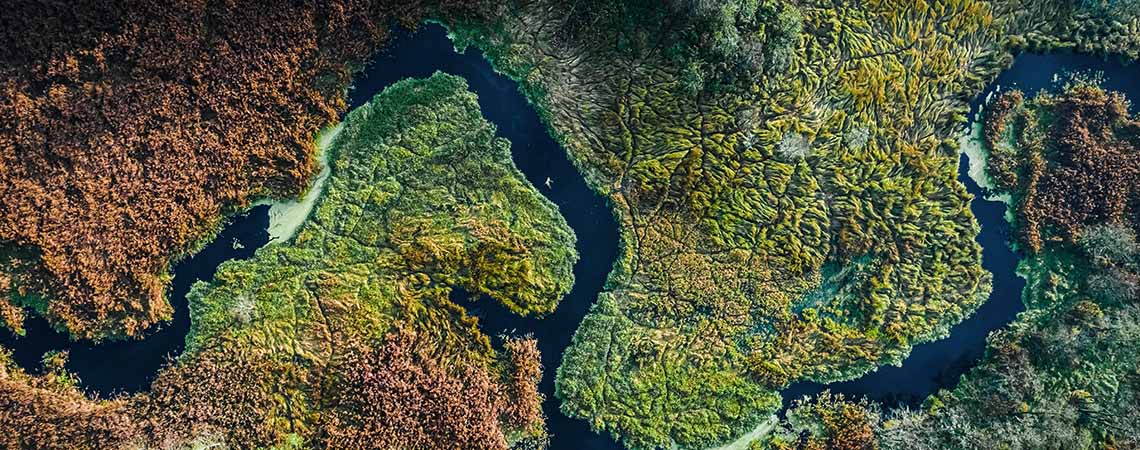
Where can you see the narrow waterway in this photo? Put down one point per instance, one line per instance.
(539, 157)
(130, 365)
(939, 365)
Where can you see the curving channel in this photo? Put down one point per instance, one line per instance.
(539, 157)
(114, 367)
(939, 365)
(129, 366)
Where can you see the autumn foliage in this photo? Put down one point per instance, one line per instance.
(524, 411)
(233, 394)
(393, 396)
(1072, 159)
(129, 127)
(827, 422)
(47, 412)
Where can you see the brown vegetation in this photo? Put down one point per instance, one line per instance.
(1092, 173)
(231, 393)
(394, 396)
(525, 409)
(130, 127)
(127, 128)
(827, 422)
(48, 412)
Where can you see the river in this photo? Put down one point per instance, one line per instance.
(129, 366)
(939, 364)
(114, 367)
(539, 157)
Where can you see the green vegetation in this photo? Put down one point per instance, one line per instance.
(1106, 27)
(826, 422)
(422, 198)
(732, 202)
(800, 223)
(1066, 374)
(344, 336)
(711, 45)
(420, 201)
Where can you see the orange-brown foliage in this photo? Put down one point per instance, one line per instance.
(229, 393)
(392, 396)
(525, 408)
(1088, 171)
(44, 414)
(130, 126)
(836, 424)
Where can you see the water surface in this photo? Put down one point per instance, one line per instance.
(130, 365)
(539, 157)
(939, 365)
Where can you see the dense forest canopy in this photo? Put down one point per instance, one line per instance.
(131, 127)
(783, 173)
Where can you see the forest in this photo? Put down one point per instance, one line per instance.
(130, 128)
(783, 173)
(345, 336)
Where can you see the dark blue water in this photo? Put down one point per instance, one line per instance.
(538, 156)
(130, 365)
(938, 365)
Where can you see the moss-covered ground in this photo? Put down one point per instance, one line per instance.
(344, 336)
(1065, 374)
(784, 174)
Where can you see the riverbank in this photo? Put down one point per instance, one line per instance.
(972, 144)
(286, 216)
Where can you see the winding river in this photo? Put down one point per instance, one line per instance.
(938, 365)
(129, 366)
(539, 157)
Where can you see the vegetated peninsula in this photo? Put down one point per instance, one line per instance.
(345, 337)
(1065, 374)
(129, 128)
(784, 175)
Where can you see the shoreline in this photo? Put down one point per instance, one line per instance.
(287, 216)
(970, 144)
(744, 441)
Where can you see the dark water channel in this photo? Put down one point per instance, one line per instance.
(539, 157)
(937, 365)
(130, 365)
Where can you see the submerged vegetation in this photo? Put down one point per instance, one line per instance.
(345, 337)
